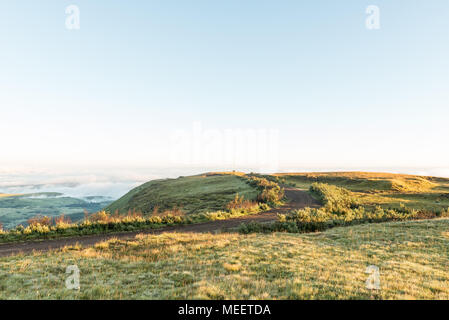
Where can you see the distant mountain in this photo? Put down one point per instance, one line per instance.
(4, 195)
(41, 195)
(98, 199)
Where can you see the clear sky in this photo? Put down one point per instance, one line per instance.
(135, 83)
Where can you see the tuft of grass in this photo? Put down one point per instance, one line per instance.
(232, 267)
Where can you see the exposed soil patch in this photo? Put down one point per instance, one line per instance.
(297, 199)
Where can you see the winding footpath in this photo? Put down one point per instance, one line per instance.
(297, 199)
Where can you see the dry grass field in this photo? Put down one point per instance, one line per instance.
(412, 257)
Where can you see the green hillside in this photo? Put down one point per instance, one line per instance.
(194, 194)
(211, 192)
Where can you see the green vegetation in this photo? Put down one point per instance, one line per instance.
(340, 208)
(195, 194)
(334, 199)
(101, 222)
(202, 193)
(17, 209)
(411, 256)
(381, 189)
(270, 191)
(364, 220)
(365, 181)
(43, 227)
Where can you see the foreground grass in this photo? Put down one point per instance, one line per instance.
(412, 257)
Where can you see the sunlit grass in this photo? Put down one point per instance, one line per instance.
(193, 194)
(385, 189)
(412, 257)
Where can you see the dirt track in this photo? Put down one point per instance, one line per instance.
(296, 199)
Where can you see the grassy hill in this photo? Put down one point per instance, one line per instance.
(211, 192)
(385, 189)
(194, 194)
(411, 256)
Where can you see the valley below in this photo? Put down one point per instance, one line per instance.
(17, 209)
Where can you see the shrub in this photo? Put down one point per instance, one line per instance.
(62, 219)
(101, 216)
(39, 220)
(270, 191)
(272, 195)
(334, 199)
(62, 222)
(239, 204)
(257, 227)
(444, 213)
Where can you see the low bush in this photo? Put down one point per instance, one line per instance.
(62, 221)
(239, 203)
(444, 213)
(257, 227)
(39, 220)
(334, 199)
(270, 191)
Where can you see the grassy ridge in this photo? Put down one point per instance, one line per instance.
(412, 258)
(194, 194)
(385, 189)
(340, 208)
(368, 181)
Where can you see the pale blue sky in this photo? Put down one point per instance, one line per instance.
(114, 92)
